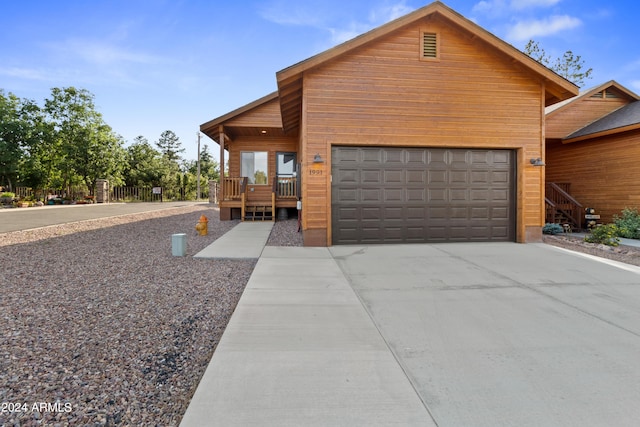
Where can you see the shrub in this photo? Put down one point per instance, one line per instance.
(8, 194)
(550, 228)
(606, 234)
(628, 224)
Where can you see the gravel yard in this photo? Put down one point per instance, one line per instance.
(101, 325)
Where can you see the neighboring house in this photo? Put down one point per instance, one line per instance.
(421, 130)
(592, 152)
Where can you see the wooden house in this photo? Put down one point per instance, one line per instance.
(592, 152)
(421, 130)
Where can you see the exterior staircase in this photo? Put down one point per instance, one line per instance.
(561, 207)
(258, 213)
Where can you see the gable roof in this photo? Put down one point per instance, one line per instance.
(212, 127)
(622, 120)
(289, 79)
(590, 92)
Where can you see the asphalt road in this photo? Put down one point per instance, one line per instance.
(15, 219)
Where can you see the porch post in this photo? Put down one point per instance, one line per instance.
(221, 185)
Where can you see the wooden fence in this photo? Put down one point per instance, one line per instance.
(119, 194)
(71, 193)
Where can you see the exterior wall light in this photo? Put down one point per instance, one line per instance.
(537, 162)
(318, 158)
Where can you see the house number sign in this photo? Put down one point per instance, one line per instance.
(315, 172)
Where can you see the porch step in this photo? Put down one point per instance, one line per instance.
(258, 213)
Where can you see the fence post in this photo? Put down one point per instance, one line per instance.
(213, 192)
(102, 191)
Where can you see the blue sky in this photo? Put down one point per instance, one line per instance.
(156, 65)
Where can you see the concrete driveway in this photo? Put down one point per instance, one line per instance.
(506, 334)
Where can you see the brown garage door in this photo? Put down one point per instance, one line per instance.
(398, 195)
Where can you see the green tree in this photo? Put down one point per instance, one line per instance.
(89, 149)
(569, 66)
(145, 165)
(23, 134)
(12, 131)
(209, 167)
(170, 146)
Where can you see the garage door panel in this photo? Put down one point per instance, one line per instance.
(346, 176)
(393, 213)
(385, 195)
(346, 195)
(369, 195)
(458, 195)
(413, 157)
(393, 195)
(416, 195)
(371, 213)
(437, 195)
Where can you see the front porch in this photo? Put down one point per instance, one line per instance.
(251, 202)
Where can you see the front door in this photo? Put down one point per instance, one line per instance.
(286, 164)
(286, 170)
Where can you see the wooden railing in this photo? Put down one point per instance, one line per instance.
(233, 188)
(285, 187)
(560, 203)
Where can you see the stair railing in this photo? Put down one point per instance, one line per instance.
(560, 201)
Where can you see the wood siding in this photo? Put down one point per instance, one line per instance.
(384, 94)
(579, 114)
(266, 115)
(603, 172)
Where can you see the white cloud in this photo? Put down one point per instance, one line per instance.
(389, 13)
(341, 35)
(24, 73)
(376, 18)
(490, 7)
(526, 30)
(501, 7)
(102, 53)
(329, 19)
(526, 4)
(282, 12)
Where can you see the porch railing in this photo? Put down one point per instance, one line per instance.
(560, 205)
(233, 188)
(285, 187)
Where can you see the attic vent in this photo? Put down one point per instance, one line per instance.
(429, 45)
(607, 94)
(610, 94)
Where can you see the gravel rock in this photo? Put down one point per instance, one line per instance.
(285, 233)
(102, 326)
(625, 254)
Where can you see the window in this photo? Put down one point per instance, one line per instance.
(253, 165)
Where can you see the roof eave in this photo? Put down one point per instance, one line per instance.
(602, 133)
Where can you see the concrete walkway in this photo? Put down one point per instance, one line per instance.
(245, 240)
(419, 335)
(301, 350)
